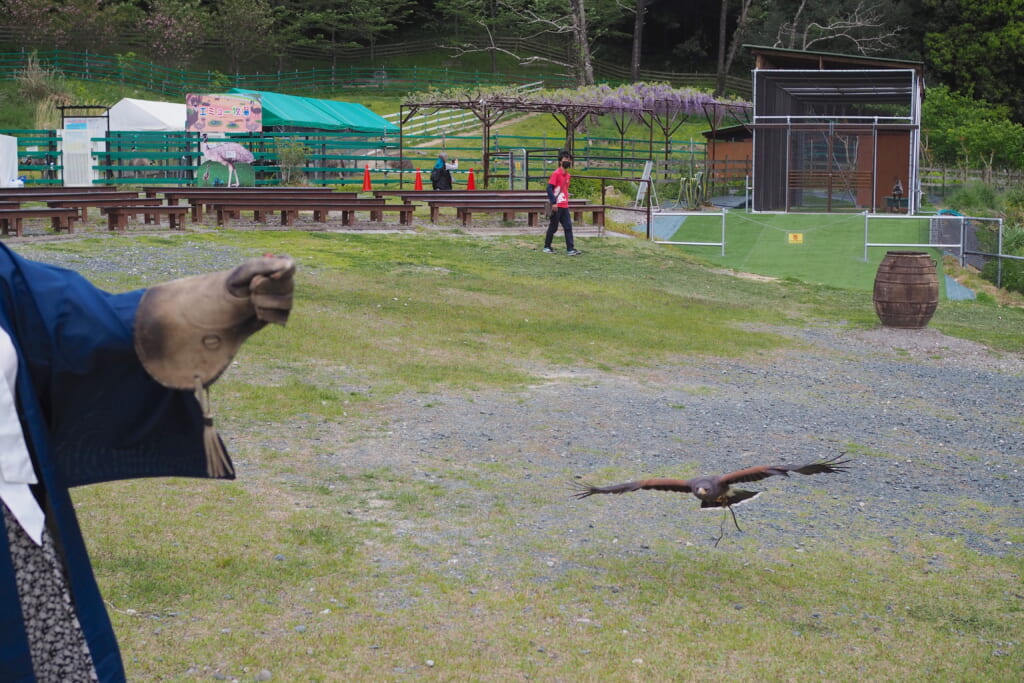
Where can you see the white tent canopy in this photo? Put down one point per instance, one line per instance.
(8, 161)
(141, 115)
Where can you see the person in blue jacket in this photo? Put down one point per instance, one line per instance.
(98, 387)
(441, 175)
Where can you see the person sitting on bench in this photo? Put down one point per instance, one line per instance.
(897, 194)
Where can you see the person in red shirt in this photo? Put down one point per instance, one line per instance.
(558, 195)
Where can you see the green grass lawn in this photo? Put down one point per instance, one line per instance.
(823, 249)
(306, 566)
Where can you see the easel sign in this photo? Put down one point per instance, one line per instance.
(641, 191)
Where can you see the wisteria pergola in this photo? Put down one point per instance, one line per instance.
(666, 114)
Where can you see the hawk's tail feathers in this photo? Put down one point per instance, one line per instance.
(734, 497)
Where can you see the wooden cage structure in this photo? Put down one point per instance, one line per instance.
(835, 132)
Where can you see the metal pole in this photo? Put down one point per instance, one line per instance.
(649, 218)
(724, 211)
(999, 274)
(401, 145)
(874, 166)
(963, 236)
(865, 237)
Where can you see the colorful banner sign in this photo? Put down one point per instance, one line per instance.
(218, 114)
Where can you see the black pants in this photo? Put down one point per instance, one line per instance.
(564, 217)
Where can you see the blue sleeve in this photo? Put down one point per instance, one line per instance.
(551, 193)
(83, 389)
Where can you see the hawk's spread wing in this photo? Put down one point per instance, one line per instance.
(584, 489)
(835, 464)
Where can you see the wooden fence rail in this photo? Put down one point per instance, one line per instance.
(941, 180)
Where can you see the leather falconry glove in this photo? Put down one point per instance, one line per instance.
(188, 330)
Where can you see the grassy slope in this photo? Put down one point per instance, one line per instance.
(189, 568)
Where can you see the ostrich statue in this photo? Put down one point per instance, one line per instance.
(227, 153)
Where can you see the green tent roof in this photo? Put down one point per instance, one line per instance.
(293, 111)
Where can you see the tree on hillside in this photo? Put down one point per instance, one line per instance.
(462, 21)
(329, 25)
(638, 8)
(174, 30)
(366, 21)
(244, 27)
(318, 24)
(88, 25)
(975, 47)
(859, 28)
(36, 22)
(727, 47)
(963, 132)
(554, 31)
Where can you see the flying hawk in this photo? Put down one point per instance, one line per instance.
(716, 491)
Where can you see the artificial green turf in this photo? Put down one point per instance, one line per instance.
(828, 251)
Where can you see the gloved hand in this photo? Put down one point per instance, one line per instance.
(268, 282)
(188, 330)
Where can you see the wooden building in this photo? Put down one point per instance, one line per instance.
(729, 156)
(835, 132)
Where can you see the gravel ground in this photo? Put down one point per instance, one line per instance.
(934, 426)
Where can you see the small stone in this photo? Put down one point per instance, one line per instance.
(264, 675)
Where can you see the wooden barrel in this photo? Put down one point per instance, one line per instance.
(906, 289)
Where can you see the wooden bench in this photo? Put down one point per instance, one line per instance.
(155, 190)
(198, 198)
(44, 197)
(100, 202)
(427, 195)
(809, 179)
(320, 207)
(465, 213)
(897, 205)
(61, 218)
(58, 189)
(118, 215)
(261, 205)
(465, 208)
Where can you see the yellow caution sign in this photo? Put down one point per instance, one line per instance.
(795, 237)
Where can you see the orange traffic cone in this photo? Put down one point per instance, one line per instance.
(367, 185)
(470, 181)
(418, 185)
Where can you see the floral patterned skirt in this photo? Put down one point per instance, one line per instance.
(59, 651)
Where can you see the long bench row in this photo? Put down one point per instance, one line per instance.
(67, 205)
(506, 202)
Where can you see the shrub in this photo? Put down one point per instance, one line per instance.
(291, 155)
(37, 83)
(979, 199)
